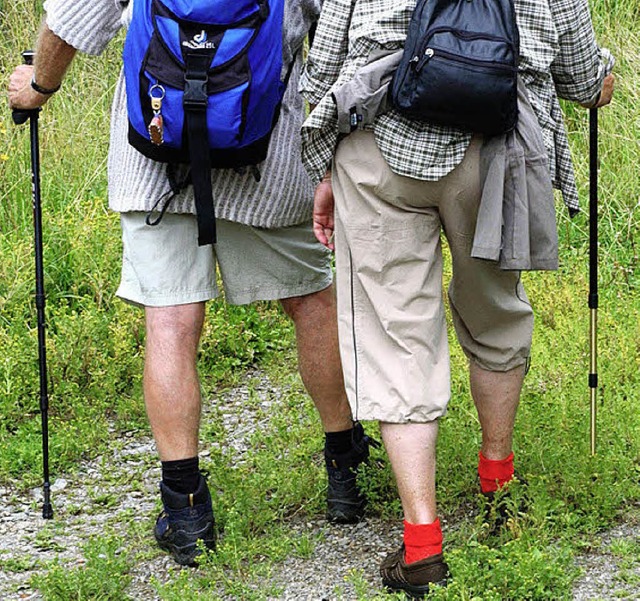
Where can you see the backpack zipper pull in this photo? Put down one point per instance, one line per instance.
(156, 127)
(428, 55)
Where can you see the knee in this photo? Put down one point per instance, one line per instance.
(299, 307)
(177, 325)
(291, 305)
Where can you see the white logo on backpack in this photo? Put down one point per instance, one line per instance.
(199, 42)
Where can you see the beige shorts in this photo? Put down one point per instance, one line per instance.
(164, 266)
(393, 337)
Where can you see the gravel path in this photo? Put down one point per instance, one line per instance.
(609, 571)
(85, 504)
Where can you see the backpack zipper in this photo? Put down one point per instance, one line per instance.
(427, 50)
(468, 35)
(418, 62)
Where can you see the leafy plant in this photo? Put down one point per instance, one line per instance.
(103, 577)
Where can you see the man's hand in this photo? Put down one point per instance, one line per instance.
(21, 94)
(323, 212)
(606, 94)
(607, 90)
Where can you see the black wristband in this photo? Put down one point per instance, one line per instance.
(41, 90)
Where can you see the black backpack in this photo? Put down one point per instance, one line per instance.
(460, 65)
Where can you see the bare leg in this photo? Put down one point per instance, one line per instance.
(496, 395)
(412, 453)
(314, 316)
(171, 385)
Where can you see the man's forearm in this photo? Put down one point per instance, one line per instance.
(53, 57)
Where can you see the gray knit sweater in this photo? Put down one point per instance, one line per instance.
(283, 197)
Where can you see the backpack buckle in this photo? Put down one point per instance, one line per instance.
(195, 94)
(195, 81)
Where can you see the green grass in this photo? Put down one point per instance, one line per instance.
(95, 349)
(103, 577)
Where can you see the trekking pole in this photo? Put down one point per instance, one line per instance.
(20, 117)
(593, 268)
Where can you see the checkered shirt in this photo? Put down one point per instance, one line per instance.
(559, 57)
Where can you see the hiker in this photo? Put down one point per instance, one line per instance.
(397, 183)
(265, 250)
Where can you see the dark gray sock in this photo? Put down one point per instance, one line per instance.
(337, 443)
(181, 476)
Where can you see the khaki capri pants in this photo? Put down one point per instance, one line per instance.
(393, 338)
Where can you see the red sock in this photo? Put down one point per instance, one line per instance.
(421, 540)
(494, 474)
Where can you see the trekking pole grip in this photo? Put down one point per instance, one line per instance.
(21, 116)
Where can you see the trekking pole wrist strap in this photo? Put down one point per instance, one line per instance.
(41, 90)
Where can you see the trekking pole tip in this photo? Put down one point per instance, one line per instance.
(47, 508)
(47, 511)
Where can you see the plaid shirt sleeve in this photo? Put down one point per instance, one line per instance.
(329, 50)
(580, 65)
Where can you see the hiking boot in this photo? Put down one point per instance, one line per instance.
(415, 579)
(186, 519)
(345, 501)
(502, 504)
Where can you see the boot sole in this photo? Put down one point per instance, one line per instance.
(348, 515)
(412, 591)
(342, 518)
(186, 555)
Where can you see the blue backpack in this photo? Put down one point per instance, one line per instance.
(203, 87)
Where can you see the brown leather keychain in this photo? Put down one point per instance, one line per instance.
(156, 126)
